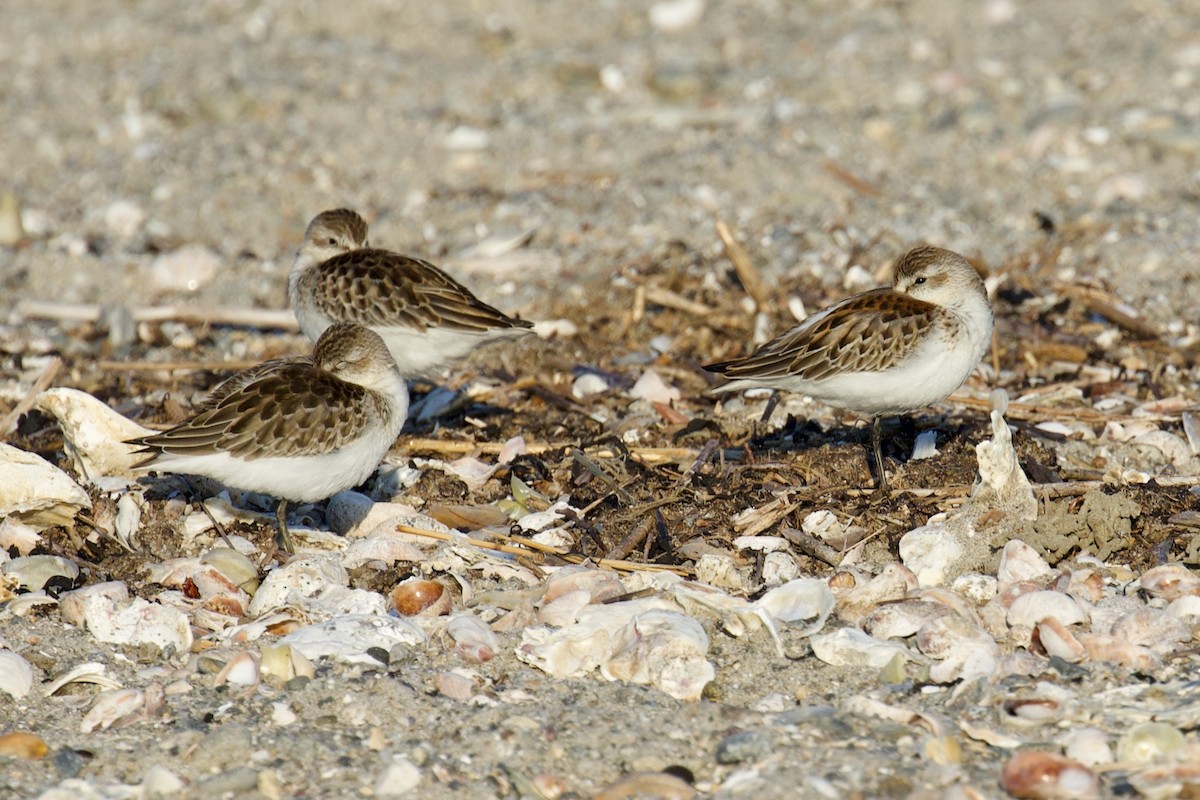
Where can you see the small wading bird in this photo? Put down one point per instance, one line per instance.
(427, 318)
(887, 351)
(300, 429)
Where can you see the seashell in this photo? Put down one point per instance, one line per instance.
(657, 785)
(653, 389)
(16, 535)
(1152, 627)
(662, 648)
(600, 585)
(159, 781)
(1136, 657)
(1046, 705)
(22, 744)
(113, 707)
(1170, 581)
(73, 605)
(943, 750)
(384, 547)
(299, 579)
(842, 580)
(457, 684)
(801, 599)
(1186, 609)
(35, 492)
(779, 568)
(94, 435)
(1020, 562)
(1088, 746)
(90, 672)
(1041, 775)
(952, 600)
(963, 649)
(1174, 449)
(1032, 607)
(1173, 779)
(931, 552)
(1149, 742)
(901, 619)
(1086, 585)
(129, 518)
(1056, 640)
(472, 639)
(33, 573)
(350, 638)
(354, 515)
(16, 674)
(564, 609)
(420, 597)
(585, 645)
(850, 647)
(242, 670)
(1106, 613)
(761, 544)
(137, 621)
(894, 582)
(235, 566)
(284, 662)
(975, 587)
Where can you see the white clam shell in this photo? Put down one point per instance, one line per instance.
(1152, 627)
(16, 674)
(662, 648)
(137, 621)
(347, 638)
(471, 638)
(111, 707)
(653, 389)
(931, 551)
(35, 492)
(235, 566)
(73, 605)
(242, 670)
(963, 649)
(902, 619)
(1088, 746)
(94, 435)
(801, 599)
(89, 672)
(383, 547)
(1020, 562)
(299, 579)
(32, 573)
(1170, 581)
(598, 584)
(1057, 640)
(1032, 607)
(1187, 610)
(850, 647)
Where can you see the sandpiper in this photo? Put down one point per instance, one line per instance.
(886, 351)
(300, 429)
(427, 319)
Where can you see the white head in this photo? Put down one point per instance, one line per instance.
(331, 233)
(938, 276)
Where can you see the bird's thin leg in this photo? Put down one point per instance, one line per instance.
(284, 533)
(881, 483)
(772, 401)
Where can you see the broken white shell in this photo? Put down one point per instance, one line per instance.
(32, 573)
(299, 579)
(35, 492)
(1032, 607)
(348, 638)
(16, 674)
(137, 621)
(662, 648)
(73, 605)
(112, 707)
(850, 647)
(471, 638)
(1020, 562)
(89, 672)
(94, 435)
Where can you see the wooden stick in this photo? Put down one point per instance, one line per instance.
(1107, 306)
(811, 546)
(40, 384)
(176, 366)
(1028, 411)
(747, 273)
(90, 312)
(646, 455)
(668, 299)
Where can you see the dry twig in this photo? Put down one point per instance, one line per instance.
(752, 282)
(266, 318)
(43, 381)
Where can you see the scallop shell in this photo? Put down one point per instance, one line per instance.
(35, 492)
(94, 435)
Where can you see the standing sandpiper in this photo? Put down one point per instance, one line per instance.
(427, 319)
(886, 351)
(300, 429)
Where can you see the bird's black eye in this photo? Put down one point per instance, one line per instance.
(918, 281)
(332, 242)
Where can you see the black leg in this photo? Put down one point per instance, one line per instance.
(881, 483)
(772, 401)
(284, 533)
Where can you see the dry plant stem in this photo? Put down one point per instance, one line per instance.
(632, 539)
(524, 551)
(644, 455)
(1105, 304)
(811, 546)
(850, 179)
(266, 318)
(43, 381)
(747, 273)
(668, 299)
(175, 366)
(1036, 413)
